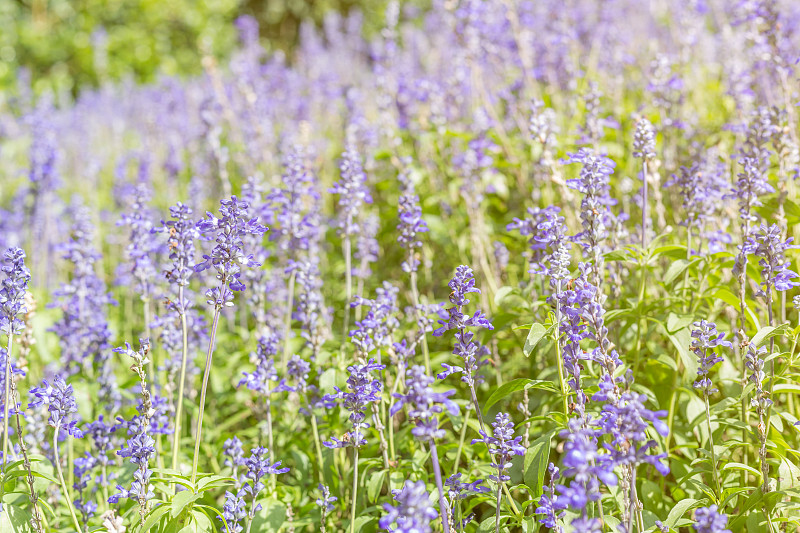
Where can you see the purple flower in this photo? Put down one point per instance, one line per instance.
(326, 501)
(705, 340)
(471, 352)
(424, 404)
(352, 190)
(644, 140)
(710, 520)
(181, 235)
(751, 184)
(83, 331)
(261, 379)
(549, 506)
(413, 512)
(533, 227)
(593, 183)
(82, 470)
(295, 206)
(502, 445)
(259, 465)
(233, 512)
(140, 249)
(364, 390)
(769, 246)
(60, 401)
(12, 292)
(411, 225)
(229, 255)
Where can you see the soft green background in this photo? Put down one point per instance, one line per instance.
(53, 39)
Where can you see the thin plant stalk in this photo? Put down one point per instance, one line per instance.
(206, 374)
(317, 444)
(415, 294)
(176, 435)
(437, 474)
(644, 203)
(6, 396)
(36, 516)
(355, 489)
(711, 448)
(287, 324)
(348, 276)
(461, 439)
(68, 498)
(273, 479)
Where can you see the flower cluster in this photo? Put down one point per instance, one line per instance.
(413, 512)
(424, 404)
(503, 445)
(59, 398)
(229, 255)
(469, 350)
(364, 390)
(705, 340)
(12, 292)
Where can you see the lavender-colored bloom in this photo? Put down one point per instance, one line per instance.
(644, 140)
(233, 512)
(365, 390)
(259, 465)
(470, 351)
(60, 401)
(181, 235)
(352, 190)
(12, 292)
(705, 340)
(424, 404)
(140, 249)
(101, 435)
(232, 450)
(502, 446)
(261, 379)
(769, 246)
(549, 507)
(596, 216)
(82, 331)
(309, 310)
(229, 255)
(82, 469)
(326, 501)
(411, 225)
(380, 322)
(530, 227)
(295, 206)
(458, 490)
(710, 520)
(626, 421)
(750, 185)
(413, 512)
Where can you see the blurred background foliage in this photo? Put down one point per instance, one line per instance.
(63, 45)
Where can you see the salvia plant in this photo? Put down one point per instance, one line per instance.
(512, 266)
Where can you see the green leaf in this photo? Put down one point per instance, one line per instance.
(15, 516)
(180, 501)
(203, 523)
(515, 385)
(677, 322)
(534, 336)
(374, 486)
(768, 332)
(679, 510)
(537, 458)
(742, 466)
(154, 516)
(675, 270)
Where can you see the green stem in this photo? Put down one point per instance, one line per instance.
(176, 435)
(287, 324)
(461, 441)
(6, 395)
(348, 276)
(67, 497)
(415, 294)
(355, 490)
(273, 479)
(206, 374)
(437, 474)
(316, 443)
(711, 448)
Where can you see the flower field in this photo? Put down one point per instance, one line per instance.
(506, 265)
